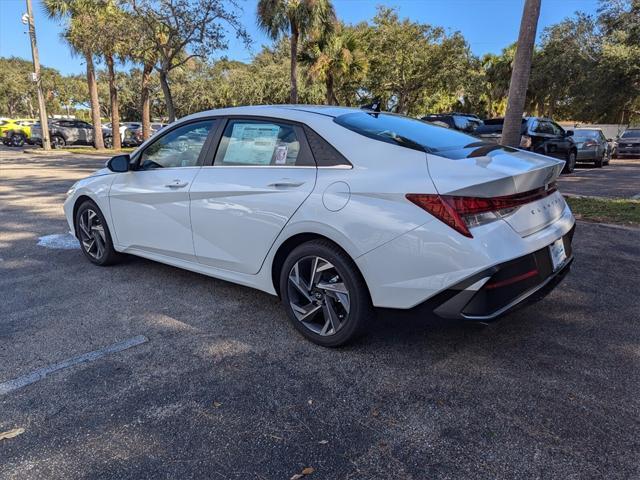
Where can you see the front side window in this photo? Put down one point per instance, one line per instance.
(258, 143)
(180, 147)
(557, 129)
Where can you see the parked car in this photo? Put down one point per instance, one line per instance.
(124, 126)
(628, 144)
(592, 146)
(539, 135)
(337, 211)
(64, 132)
(15, 133)
(465, 122)
(133, 135)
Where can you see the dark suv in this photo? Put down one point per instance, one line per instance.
(628, 144)
(539, 135)
(63, 132)
(465, 122)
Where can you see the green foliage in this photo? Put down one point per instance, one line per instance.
(18, 95)
(586, 68)
(413, 67)
(336, 59)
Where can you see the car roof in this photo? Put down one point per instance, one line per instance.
(291, 112)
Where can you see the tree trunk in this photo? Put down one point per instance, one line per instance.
(146, 100)
(113, 98)
(168, 99)
(294, 64)
(520, 74)
(98, 142)
(331, 96)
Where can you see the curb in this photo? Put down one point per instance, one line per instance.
(609, 225)
(45, 153)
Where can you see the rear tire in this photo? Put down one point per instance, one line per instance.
(570, 166)
(324, 294)
(93, 233)
(599, 162)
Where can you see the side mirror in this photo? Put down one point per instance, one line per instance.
(568, 133)
(119, 163)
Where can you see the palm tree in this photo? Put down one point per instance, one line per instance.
(111, 27)
(80, 35)
(335, 58)
(520, 73)
(296, 18)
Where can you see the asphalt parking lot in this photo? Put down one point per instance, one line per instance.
(619, 179)
(225, 388)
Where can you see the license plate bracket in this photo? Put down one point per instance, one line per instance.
(558, 254)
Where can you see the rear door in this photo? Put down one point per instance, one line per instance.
(261, 173)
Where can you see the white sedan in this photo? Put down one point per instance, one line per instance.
(337, 211)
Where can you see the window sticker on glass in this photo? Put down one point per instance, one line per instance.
(281, 154)
(252, 144)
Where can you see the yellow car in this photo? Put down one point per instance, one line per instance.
(15, 132)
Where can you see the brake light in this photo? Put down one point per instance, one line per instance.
(462, 213)
(590, 143)
(525, 141)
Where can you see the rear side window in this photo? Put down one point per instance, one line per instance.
(260, 143)
(324, 153)
(403, 131)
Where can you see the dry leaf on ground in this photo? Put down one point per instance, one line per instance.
(11, 433)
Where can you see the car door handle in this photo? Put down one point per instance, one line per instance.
(177, 184)
(285, 183)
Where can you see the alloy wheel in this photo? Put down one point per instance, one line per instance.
(318, 295)
(92, 235)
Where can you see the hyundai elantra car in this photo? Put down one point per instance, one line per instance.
(337, 211)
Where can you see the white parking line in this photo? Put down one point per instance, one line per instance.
(11, 385)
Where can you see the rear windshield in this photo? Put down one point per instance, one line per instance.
(404, 131)
(494, 125)
(631, 134)
(586, 134)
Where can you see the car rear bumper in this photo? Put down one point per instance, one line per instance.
(498, 290)
(422, 264)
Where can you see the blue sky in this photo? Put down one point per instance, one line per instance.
(488, 25)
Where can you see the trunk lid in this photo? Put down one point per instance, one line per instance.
(488, 170)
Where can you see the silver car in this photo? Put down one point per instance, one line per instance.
(592, 145)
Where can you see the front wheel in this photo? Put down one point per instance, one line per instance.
(94, 236)
(108, 142)
(571, 163)
(324, 294)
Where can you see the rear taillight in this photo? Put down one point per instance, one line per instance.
(590, 143)
(525, 141)
(462, 213)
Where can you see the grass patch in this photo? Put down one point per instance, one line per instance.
(93, 151)
(625, 212)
